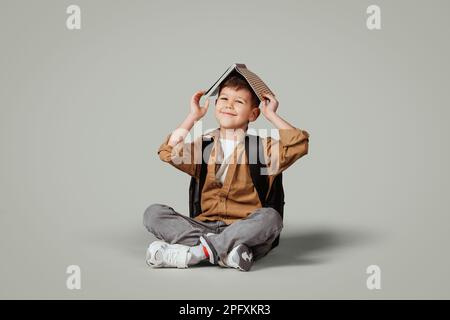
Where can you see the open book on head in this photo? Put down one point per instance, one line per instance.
(258, 86)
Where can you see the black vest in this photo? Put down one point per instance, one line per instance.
(275, 198)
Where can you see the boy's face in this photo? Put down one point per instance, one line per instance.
(234, 109)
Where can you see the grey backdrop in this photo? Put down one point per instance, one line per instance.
(83, 113)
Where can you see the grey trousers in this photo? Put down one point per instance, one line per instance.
(257, 231)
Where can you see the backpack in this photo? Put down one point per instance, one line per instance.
(275, 198)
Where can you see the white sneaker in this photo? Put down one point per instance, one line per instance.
(241, 257)
(162, 254)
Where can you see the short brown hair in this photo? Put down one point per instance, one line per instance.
(236, 81)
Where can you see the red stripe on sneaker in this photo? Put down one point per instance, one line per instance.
(205, 251)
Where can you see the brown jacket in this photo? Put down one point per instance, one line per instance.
(237, 197)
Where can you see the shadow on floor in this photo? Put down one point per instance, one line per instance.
(312, 246)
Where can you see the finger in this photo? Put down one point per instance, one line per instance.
(269, 96)
(206, 104)
(196, 97)
(198, 93)
(266, 98)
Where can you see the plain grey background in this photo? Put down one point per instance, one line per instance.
(83, 112)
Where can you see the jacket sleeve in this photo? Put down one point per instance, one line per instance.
(182, 156)
(281, 154)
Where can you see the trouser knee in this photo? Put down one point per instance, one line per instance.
(270, 217)
(153, 214)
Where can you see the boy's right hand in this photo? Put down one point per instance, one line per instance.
(198, 112)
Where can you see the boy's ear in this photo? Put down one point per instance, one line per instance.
(254, 114)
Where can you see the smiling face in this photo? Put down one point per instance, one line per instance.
(235, 108)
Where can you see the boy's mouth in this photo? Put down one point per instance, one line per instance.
(227, 113)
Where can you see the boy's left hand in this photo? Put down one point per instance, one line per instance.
(269, 105)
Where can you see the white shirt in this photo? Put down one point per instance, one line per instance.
(228, 147)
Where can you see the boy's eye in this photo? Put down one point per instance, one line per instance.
(223, 98)
(240, 102)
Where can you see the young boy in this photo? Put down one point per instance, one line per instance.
(233, 229)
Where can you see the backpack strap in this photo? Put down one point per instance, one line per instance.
(254, 151)
(275, 198)
(196, 185)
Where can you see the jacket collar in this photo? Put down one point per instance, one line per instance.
(215, 135)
